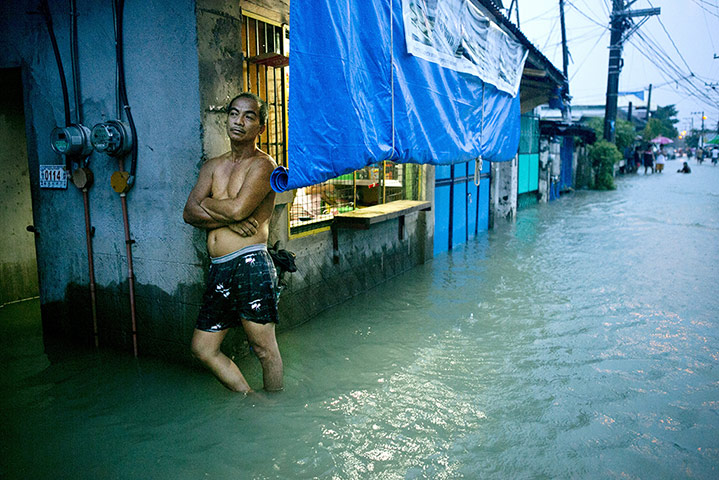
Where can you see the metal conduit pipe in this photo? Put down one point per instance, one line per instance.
(73, 60)
(45, 10)
(130, 271)
(120, 58)
(90, 264)
(86, 187)
(119, 7)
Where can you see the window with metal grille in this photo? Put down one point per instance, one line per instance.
(378, 183)
(267, 75)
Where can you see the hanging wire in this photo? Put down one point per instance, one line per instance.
(478, 162)
(656, 55)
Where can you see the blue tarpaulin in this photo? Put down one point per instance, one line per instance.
(357, 97)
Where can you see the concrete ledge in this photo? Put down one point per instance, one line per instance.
(363, 218)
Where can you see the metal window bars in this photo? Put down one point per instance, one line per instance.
(266, 48)
(378, 183)
(267, 75)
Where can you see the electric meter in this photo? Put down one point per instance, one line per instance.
(112, 137)
(73, 140)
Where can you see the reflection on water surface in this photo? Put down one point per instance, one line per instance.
(578, 342)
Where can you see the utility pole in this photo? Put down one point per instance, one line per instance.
(565, 62)
(701, 132)
(621, 28)
(615, 66)
(565, 53)
(649, 101)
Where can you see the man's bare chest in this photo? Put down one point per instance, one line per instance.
(227, 180)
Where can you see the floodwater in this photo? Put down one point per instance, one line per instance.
(580, 341)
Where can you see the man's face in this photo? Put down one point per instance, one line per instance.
(243, 120)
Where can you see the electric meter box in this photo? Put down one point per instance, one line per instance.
(112, 137)
(73, 140)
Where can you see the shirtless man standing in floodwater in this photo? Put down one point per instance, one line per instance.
(234, 202)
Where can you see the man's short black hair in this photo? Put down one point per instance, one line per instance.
(261, 103)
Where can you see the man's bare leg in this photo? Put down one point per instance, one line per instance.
(264, 344)
(206, 348)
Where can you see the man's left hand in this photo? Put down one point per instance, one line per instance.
(245, 228)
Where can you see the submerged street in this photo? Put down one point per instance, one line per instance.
(580, 341)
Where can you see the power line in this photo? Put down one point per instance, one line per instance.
(672, 40)
(540, 16)
(603, 25)
(657, 56)
(591, 52)
(703, 7)
(587, 35)
(711, 38)
(551, 31)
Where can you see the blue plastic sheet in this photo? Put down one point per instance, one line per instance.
(350, 67)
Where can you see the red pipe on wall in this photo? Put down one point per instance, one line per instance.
(130, 272)
(90, 263)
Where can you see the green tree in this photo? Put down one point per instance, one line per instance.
(604, 155)
(692, 140)
(662, 123)
(624, 131)
(667, 114)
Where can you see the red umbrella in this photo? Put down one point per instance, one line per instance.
(662, 140)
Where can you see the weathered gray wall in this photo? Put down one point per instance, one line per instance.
(175, 87)
(367, 258)
(163, 89)
(219, 34)
(18, 267)
(503, 191)
(583, 172)
(550, 165)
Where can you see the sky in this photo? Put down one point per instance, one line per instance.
(673, 51)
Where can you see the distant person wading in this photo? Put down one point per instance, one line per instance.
(648, 160)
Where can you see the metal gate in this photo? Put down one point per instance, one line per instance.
(461, 208)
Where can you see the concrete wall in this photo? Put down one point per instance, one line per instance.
(18, 267)
(183, 61)
(163, 89)
(550, 165)
(219, 33)
(583, 174)
(503, 191)
(366, 257)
